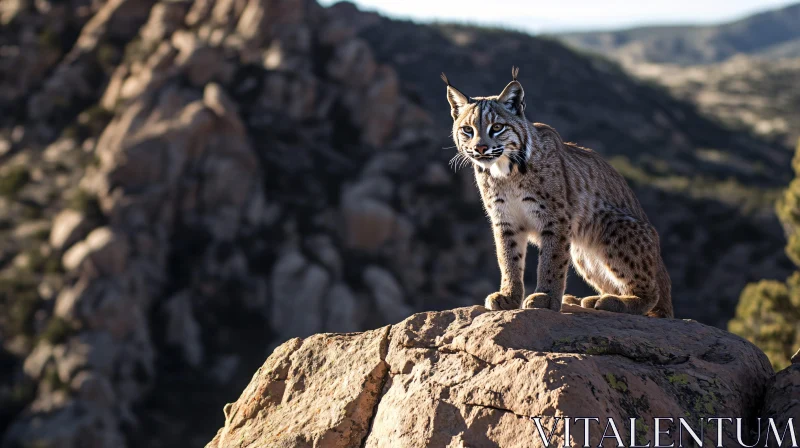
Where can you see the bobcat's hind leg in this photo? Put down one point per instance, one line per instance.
(628, 258)
(595, 276)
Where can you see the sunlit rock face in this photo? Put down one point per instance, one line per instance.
(468, 377)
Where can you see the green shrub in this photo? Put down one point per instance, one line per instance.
(39, 263)
(41, 235)
(86, 203)
(56, 331)
(19, 301)
(51, 379)
(49, 39)
(768, 313)
(31, 211)
(108, 57)
(93, 120)
(13, 181)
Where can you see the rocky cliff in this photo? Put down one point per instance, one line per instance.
(183, 185)
(469, 377)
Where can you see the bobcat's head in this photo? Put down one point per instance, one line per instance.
(491, 131)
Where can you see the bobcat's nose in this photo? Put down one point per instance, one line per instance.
(481, 149)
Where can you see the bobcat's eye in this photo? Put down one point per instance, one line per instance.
(467, 130)
(497, 127)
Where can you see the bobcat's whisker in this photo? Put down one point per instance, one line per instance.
(458, 161)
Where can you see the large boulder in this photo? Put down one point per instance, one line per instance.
(782, 400)
(69, 227)
(469, 377)
(319, 390)
(107, 250)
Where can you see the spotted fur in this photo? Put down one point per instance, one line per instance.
(563, 198)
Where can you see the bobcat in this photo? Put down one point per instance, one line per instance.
(563, 198)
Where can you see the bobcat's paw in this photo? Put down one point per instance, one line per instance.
(541, 300)
(569, 299)
(589, 302)
(498, 301)
(622, 304)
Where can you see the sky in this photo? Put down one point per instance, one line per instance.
(569, 15)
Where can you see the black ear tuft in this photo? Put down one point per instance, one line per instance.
(514, 72)
(444, 78)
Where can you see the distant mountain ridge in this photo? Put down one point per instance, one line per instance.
(774, 33)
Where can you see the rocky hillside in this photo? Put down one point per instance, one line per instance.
(744, 92)
(474, 378)
(743, 74)
(184, 185)
(773, 34)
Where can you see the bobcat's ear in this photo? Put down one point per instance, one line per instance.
(513, 98)
(456, 99)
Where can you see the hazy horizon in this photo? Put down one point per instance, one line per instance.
(573, 15)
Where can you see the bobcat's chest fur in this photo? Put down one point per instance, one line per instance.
(508, 198)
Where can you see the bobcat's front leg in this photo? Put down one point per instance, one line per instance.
(511, 244)
(551, 276)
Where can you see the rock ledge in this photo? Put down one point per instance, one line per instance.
(469, 377)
